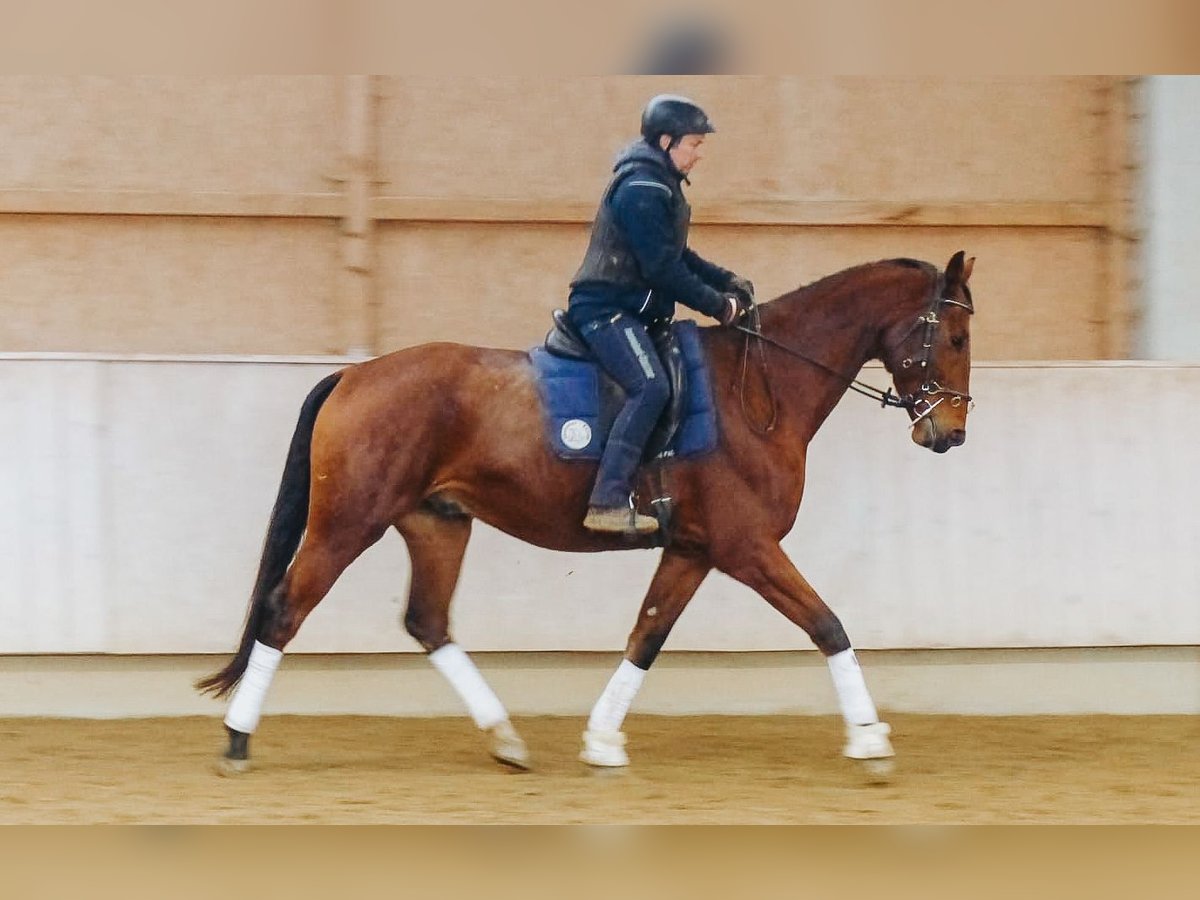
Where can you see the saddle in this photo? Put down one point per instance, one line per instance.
(563, 340)
(580, 401)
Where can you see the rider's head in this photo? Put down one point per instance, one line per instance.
(676, 126)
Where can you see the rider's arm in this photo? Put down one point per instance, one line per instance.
(710, 273)
(643, 211)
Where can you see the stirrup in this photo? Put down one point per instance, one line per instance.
(618, 520)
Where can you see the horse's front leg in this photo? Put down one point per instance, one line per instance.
(674, 584)
(767, 569)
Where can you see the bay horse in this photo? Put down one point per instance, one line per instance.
(429, 438)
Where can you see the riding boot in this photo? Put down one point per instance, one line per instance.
(609, 508)
(618, 520)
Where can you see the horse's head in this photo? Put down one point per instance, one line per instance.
(930, 359)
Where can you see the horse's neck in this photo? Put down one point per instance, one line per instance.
(839, 328)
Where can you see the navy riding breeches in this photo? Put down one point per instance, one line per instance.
(624, 349)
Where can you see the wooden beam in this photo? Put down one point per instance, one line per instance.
(357, 293)
(1115, 307)
(484, 209)
(170, 203)
(759, 212)
(504, 210)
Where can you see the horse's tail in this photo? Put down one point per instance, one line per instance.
(286, 528)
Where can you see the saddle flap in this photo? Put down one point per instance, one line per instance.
(669, 351)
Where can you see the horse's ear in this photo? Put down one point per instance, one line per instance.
(968, 267)
(954, 268)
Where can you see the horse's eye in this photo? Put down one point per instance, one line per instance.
(958, 341)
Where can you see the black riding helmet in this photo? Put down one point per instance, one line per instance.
(673, 115)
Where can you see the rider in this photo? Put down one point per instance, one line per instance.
(637, 266)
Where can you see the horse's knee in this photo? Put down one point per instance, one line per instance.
(427, 630)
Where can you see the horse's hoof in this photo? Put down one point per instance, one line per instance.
(604, 749)
(868, 742)
(879, 771)
(231, 768)
(507, 747)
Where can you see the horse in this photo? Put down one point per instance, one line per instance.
(429, 438)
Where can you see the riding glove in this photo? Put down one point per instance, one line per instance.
(734, 311)
(743, 287)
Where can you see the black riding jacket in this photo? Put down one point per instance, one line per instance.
(638, 260)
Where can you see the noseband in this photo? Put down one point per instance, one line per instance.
(919, 404)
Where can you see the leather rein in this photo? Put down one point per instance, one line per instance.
(919, 404)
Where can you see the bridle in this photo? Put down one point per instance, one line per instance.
(930, 388)
(919, 404)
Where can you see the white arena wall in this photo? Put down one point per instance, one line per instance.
(1049, 565)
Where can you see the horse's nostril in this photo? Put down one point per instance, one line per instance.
(958, 437)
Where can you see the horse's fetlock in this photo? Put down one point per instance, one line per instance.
(829, 635)
(642, 652)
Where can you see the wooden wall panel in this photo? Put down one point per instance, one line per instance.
(365, 213)
(145, 285)
(478, 284)
(779, 138)
(261, 134)
(904, 139)
(1037, 290)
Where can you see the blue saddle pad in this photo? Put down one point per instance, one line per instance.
(578, 418)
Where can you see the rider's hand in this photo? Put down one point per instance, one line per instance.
(734, 310)
(742, 287)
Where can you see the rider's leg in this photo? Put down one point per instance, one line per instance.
(627, 353)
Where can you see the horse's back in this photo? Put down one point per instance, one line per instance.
(451, 370)
(446, 394)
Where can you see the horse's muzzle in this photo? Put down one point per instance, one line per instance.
(944, 442)
(939, 442)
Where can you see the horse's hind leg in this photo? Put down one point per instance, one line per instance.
(675, 582)
(322, 557)
(436, 542)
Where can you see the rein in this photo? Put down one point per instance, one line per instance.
(762, 359)
(909, 402)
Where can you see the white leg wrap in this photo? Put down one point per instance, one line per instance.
(869, 742)
(246, 706)
(609, 712)
(481, 702)
(856, 703)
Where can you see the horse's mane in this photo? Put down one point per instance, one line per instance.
(832, 281)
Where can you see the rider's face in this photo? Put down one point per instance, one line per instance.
(686, 153)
